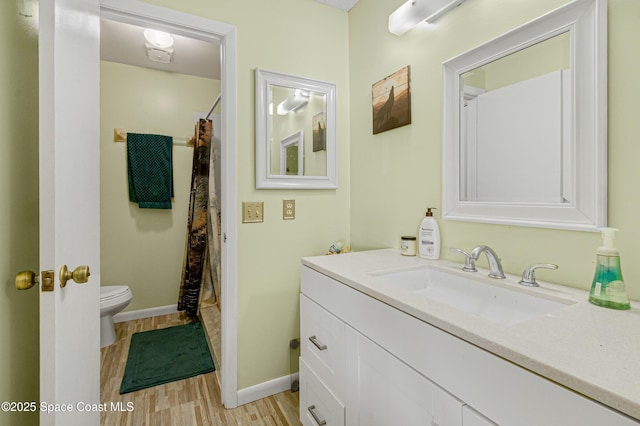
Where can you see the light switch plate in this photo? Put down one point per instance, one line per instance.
(252, 211)
(288, 209)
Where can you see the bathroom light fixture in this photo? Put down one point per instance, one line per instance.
(413, 12)
(158, 44)
(296, 99)
(157, 38)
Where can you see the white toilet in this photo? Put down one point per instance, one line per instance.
(113, 299)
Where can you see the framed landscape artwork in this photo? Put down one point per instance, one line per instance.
(391, 99)
(319, 135)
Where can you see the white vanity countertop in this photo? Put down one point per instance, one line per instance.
(594, 351)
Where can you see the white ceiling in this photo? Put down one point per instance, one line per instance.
(345, 5)
(125, 44)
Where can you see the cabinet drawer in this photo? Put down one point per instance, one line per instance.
(318, 406)
(323, 349)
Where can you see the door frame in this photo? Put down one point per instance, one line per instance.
(142, 14)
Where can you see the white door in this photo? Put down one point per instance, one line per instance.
(69, 210)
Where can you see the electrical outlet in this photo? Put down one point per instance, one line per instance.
(288, 209)
(252, 212)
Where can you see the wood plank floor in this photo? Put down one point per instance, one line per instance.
(190, 402)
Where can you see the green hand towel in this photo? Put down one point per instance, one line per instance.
(150, 170)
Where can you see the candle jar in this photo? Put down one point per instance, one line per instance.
(408, 246)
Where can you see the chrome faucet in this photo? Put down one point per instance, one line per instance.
(495, 267)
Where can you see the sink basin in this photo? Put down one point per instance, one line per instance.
(472, 294)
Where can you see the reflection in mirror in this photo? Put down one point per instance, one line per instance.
(295, 132)
(291, 158)
(290, 164)
(524, 129)
(511, 120)
(294, 112)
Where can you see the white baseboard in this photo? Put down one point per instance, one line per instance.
(145, 313)
(263, 390)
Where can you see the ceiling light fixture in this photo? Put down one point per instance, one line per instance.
(413, 12)
(157, 38)
(158, 44)
(296, 99)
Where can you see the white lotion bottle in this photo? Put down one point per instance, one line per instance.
(429, 237)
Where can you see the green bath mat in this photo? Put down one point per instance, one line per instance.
(166, 355)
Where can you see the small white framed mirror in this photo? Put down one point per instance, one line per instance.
(296, 145)
(525, 124)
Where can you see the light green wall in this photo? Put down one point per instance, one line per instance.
(19, 207)
(308, 39)
(397, 174)
(624, 128)
(144, 248)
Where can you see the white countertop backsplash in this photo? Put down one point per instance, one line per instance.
(592, 350)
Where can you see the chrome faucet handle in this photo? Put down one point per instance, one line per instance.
(529, 276)
(469, 262)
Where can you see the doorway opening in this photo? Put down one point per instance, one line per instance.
(219, 38)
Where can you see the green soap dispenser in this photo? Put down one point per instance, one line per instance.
(607, 289)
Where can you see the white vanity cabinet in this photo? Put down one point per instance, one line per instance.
(340, 368)
(364, 362)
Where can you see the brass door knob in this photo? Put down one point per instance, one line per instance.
(80, 275)
(26, 279)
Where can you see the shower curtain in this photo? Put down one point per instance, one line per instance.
(202, 252)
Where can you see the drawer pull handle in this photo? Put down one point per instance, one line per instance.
(312, 410)
(317, 343)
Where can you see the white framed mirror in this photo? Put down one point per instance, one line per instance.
(296, 145)
(525, 124)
